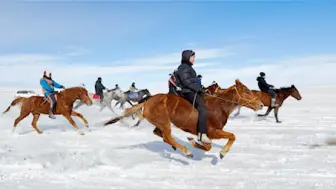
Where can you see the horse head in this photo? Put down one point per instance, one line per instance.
(145, 92)
(243, 96)
(295, 93)
(76, 93)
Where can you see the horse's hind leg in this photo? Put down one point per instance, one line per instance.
(73, 113)
(23, 114)
(158, 133)
(267, 112)
(35, 119)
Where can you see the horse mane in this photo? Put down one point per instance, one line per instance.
(285, 89)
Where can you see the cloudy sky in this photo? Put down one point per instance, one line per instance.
(293, 42)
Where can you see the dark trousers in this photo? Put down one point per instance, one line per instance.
(202, 110)
(272, 93)
(101, 95)
(52, 101)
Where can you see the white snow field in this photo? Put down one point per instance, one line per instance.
(293, 154)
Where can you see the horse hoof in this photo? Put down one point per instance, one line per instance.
(278, 121)
(260, 115)
(222, 154)
(174, 148)
(190, 155)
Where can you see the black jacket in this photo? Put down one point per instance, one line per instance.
(99, 87)
(263, 85)
(188, 78)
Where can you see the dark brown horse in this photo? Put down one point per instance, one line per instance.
(212, 89)
(162, 109)
(282, 95)
(37, 105)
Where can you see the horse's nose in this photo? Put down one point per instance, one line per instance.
(261, 106)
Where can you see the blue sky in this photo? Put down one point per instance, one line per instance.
(239, 36)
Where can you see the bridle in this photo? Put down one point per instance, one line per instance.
(240, 98)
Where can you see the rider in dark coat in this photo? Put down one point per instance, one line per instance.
(193, 92)
(99, 87)
(267, 88)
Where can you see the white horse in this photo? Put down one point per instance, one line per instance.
(115, 94)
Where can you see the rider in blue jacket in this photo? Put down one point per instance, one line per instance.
(48, 85)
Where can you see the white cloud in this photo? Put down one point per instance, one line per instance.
(25, 70)
(315, 70)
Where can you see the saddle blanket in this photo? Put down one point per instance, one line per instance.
(96, 96)
(133, 95)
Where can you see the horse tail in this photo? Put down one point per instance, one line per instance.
(14, 103)
(128, 112)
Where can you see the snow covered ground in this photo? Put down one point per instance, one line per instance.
(293, 154)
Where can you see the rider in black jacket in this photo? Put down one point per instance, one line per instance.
(267, 88)
(193, 92)
(99, 87)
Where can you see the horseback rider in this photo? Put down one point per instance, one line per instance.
(116, 87)
(133, 88)
(48, 85)
(193, 92)
(99, 87)
(267, 88)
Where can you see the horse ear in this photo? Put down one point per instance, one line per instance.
(237, 82)
(293, 86)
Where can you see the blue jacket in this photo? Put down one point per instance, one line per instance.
(49, 89)
(199, 81)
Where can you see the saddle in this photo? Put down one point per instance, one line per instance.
(45, 99)
(96, 96)
(133, 94)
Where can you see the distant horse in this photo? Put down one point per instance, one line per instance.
(212, 89)
(132, 96)
(282, 94)
(162, 109)
(114, 94)
(37, 105)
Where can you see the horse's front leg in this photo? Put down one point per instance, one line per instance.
(69, 118)
(276, 109)
(267, 112)
(218, 134)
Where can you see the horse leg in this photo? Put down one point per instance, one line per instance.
(238, 111)
(79, 104)
(276, 109)
(69, 118)
(130, 102)
(158, 133)
(110, 107)
(23, 114)
(167, 138)
(165, 127)
(205, 146)
(73, 113)
(219, 134)
(35, 119)
(267, 112)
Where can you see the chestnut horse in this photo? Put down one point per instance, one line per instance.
(37, 105)
(162, 109)
(282, 94)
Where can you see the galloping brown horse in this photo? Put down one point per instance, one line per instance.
(37, 105)
(162, 109)
(282, 94)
